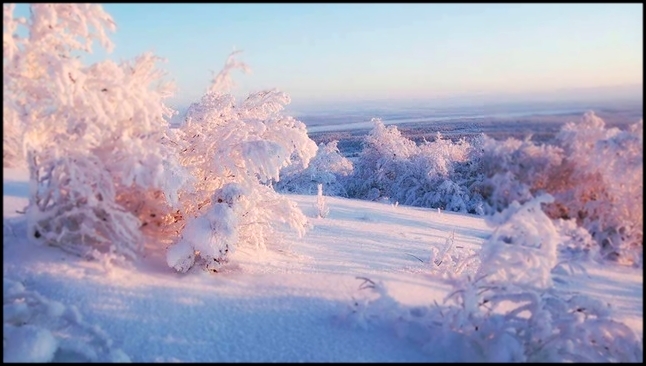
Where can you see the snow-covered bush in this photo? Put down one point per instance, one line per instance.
(384, 158)
(234, 151)
(509, 310)
(106, 171)
(604, 188)
(393, 167)
(93, 135)
(328, 167)
(595, 175)
(212, 235)
(430, 179)
(508, 322)
(512, 170)
(74, 207)
(577, 245)
(435, 174)
(523, 247)
(36, 329)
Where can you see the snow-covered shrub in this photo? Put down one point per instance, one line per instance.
(595, 175)
(482, 176)
(523, 247)
(74, 207)
(36, 329)
(430, 179)
(92, 134)
(212, 235)
(327, 167)
(509, 311)
(512, 170)
(384, 158)
(577, 245)
(234, 151)
(394, 167)
(512, 322)
(509, 322)
(604, 188)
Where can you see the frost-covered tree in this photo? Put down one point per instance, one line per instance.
(429, 178)
(93, 135)
(234, 151)
(603, 185)
(382, 159)
(328, 167)
(393, 166)
(512, 170)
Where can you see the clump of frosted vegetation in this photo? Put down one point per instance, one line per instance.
(508, 311)
(604, 184)
(523, 247)
(512, 170)
(429, 180)
(233, 152)
(107, 173)
(381, 161)
(578, 246)
(36, 329)
(92, 134)
(595, 175)
(328, 167)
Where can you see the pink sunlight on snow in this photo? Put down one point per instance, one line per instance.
(239, 233)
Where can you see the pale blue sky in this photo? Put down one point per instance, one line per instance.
(327, 52)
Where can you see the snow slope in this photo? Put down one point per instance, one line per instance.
(286, 304)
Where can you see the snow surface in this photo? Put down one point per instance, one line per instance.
(280, 305)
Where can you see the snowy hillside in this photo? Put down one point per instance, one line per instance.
(293, 302)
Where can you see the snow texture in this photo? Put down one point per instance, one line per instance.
(296, 304)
